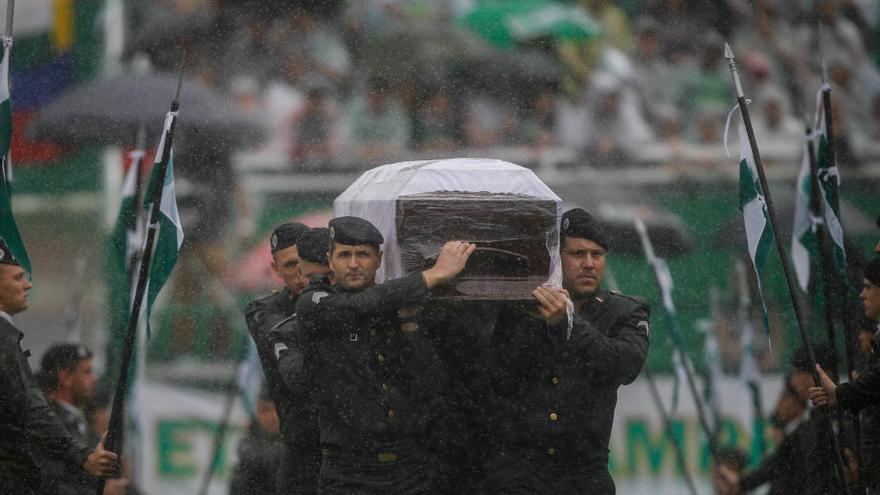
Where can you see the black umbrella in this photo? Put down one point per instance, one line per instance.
(617, 208)
(110, 112)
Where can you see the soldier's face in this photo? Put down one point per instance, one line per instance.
(354, 267)
(80, 382)
(870, 297)
(14, 286)
(285, 262)
(583, 266)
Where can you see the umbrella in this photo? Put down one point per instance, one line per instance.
(506, 22)
(110, 112)
(617, 208)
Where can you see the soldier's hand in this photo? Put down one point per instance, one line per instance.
(553, 303)
(827, 393)
(450, 262)
(116, 486)
(101, 462)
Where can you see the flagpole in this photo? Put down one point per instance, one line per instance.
(658, 403)
(670, 432)
(10, 11)
(685, 359)
(114, 440)
(786, 262)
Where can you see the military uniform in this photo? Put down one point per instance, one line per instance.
(27, 423)
(259, 457)
(862, 396)
(556, 394)
(297, 473)
(57, 477)
(376, 379)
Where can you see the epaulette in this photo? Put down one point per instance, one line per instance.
(635, 299)
(282, 322)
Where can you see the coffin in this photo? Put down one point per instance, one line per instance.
(503, 208)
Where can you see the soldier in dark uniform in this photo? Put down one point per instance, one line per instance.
(556, 378)
(264, 313)
(300, 422)
(863, 393)
(802, 462)
(29, 430)
(68, 381)
(260, 453)
(376, 376)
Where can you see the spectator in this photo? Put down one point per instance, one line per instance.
(436, 126)
(538, 123)
(773, 121)
(315, 128)
(617, 125)
(377, 124)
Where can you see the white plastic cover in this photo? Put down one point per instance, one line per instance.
(373, 196)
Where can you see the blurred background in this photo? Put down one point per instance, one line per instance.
(619, 106)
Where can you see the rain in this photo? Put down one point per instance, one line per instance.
(595, 246)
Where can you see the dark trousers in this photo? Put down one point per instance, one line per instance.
(398, 468)
(532, 472)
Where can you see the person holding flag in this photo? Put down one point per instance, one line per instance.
(29, 429)
(862, 393)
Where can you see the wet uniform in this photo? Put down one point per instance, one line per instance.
(259, 457)
(27, 423)
(377, 381)
(556, 394)
(297, 474)
(58, 477)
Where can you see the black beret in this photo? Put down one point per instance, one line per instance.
(578, 223)
(6, 256)
(314, 244)
(63, 357)
(353, 231)
(872, 271)
(800, 360)
(286, 235)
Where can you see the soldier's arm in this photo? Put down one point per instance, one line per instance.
(330, 311)
(619, 356)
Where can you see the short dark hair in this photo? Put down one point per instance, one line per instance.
(60, 357)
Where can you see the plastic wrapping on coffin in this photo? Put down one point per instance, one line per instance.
(514, 235)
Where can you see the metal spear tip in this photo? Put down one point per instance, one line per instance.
(728, 53)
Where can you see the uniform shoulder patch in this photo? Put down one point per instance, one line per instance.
(644, 326)
(280, 348)
(317, 296)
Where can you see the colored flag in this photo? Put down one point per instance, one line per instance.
(829, 184)
(755, 216)
(679, 359)
(804, 240)
(8, 228)
(170, 233)
(249, 378)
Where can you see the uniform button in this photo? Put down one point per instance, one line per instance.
(551, 451)
(554, 416)
(381, 358)
(555, 380)
(391, 413)
(384, 386)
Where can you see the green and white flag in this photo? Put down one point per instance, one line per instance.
(749, 370)
(680, 359)
(829, 184)
(804, 239)
(8, 228)
(170, 233)
(755, 216)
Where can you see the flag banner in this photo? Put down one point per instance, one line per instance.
(680, 359)
(829, 183)
(755, 215)
(170, 233)
(804, 237)
(712, 359)
(8, 228)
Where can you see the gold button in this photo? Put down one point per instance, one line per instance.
(386, 457)
(551, 451)
(391, 413)
(554, 416)
(555, 380)
(381, 358)
(384, 386)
